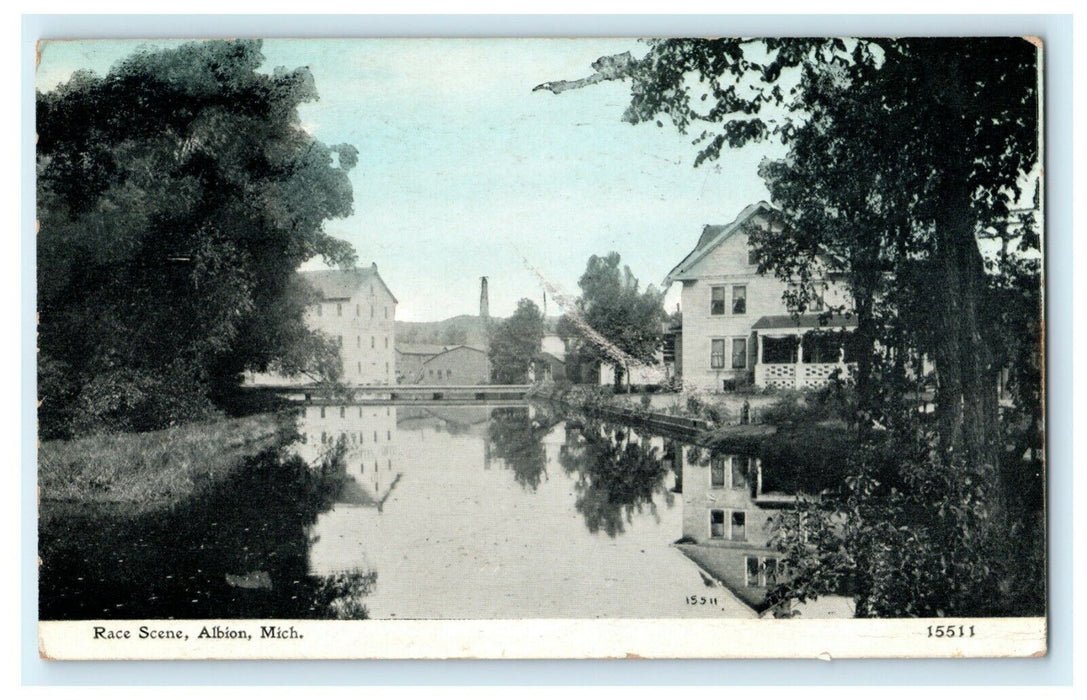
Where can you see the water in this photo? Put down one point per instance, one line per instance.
(444, 512)
(507, 512)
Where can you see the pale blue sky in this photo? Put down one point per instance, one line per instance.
(463, 169)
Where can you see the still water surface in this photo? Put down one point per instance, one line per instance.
(480, 512)
(444, 512)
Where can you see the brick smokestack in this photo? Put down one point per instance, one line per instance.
(484, 303)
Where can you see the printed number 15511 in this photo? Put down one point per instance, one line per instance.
(951, 630)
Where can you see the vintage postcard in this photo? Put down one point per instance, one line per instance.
(540, 348)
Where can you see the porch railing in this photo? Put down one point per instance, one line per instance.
(800, 376)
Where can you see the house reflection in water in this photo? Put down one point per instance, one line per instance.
(728, 521)
(369, 435)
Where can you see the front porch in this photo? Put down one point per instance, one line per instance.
(803, 353)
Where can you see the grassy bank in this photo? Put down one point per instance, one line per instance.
(149, 468)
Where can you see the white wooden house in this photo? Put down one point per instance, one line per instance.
(737, 327)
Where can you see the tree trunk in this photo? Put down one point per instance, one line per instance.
(966, 400)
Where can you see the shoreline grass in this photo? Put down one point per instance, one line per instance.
(146, 469)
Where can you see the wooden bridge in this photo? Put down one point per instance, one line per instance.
(398, 393)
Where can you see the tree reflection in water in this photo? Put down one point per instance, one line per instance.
(618, 475)
(238, 550)
(516, 438)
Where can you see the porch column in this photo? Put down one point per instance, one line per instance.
(758, 347)
(799, 369)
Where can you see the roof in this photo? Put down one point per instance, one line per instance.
(805, 321)
(456, 347)
(341, 284)
(421, 348)
(552, 356)
(713, 236)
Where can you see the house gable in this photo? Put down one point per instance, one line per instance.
(714, 237)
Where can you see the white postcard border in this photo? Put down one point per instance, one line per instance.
(543, 639)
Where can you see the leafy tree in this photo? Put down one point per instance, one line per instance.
(177, 195)
(515, 343)
(901, 154)
(614, 321)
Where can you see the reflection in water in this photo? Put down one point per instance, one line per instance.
(417, 516)
(731, 506)
(238, 550)
(515, 440)
(456, 537)
(618, 475)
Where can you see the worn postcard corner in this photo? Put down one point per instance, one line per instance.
(381, 348)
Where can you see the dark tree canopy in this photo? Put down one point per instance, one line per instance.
(177, 195)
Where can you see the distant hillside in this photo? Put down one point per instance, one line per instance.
(459, 330)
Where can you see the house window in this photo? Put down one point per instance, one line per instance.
(448, 373)
(372, 341)
(339, 340)
(717, 524)
(386, 312)
(343, 412)
(739, 472)
(717, 353)
(319, 309)
(739, 353)
(739, 298)
(771, 571)
(322, 414)
(813, 300)
(751, 259)
(359, 367)
(358, 309)
(386, 342)
(738, 532)
(760, 572)
(358, 341)
(751, 571)
(371, 310)
(339, 309)
(717, 301)
(717, 473)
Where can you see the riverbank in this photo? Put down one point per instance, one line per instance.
(144, 470)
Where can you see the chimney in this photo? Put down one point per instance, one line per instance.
(484, 304)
